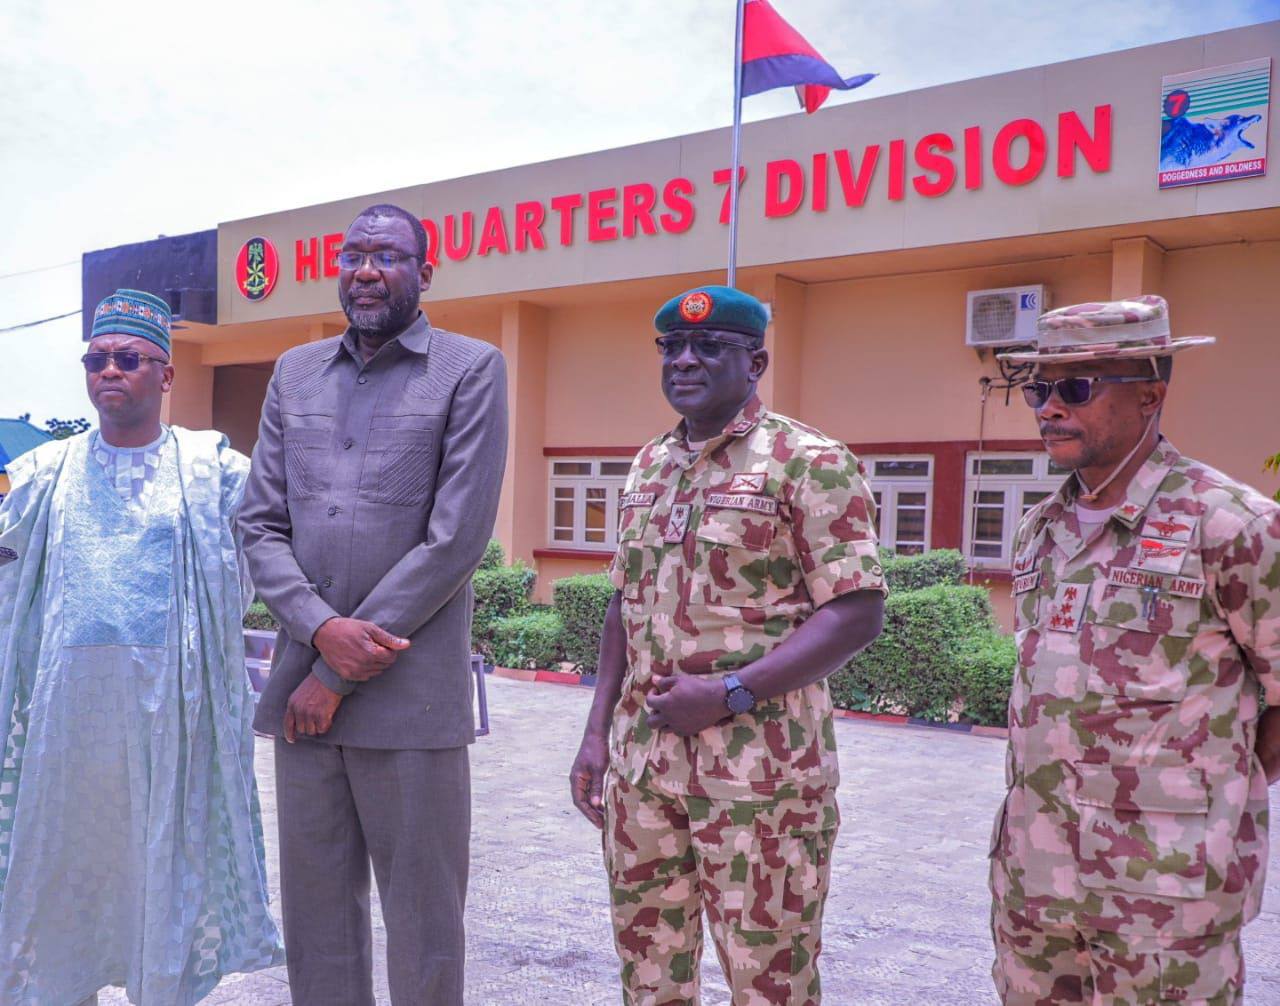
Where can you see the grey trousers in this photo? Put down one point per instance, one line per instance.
(409, 811)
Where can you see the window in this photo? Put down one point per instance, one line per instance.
(584, 502)
(999, 490)
(903, 491)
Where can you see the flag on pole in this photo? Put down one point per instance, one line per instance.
(776, 55)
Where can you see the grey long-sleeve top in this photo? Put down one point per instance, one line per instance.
(373, 491)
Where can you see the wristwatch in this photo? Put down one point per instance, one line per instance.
(737, 696)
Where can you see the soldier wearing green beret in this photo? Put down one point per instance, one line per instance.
(747, 571)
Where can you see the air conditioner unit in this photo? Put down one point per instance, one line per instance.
(1004, 317)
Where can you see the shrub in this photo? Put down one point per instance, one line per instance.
(914, 666)
(581, 602)
(258, 617)
(531, 640)
(499, 593)
(987, 665)
(494, 557)
(914, 572)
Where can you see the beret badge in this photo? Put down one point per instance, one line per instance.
(696, 306)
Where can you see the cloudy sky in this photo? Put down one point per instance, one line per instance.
(122, 121)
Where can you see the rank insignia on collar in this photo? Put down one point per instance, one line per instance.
(1175, 527)
(1066, 611)
(741, 427)
(1160, 556)
(1129, 511)
(7, 555)
(677, 524)
(748, 482)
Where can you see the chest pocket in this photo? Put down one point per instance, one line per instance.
(734, 565)
(305, 453)
(400, 463)
(630, 555)
(1138, 648)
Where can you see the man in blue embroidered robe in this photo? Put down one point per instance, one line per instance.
(131, 847)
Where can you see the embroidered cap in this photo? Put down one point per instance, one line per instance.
(719, 308)
(133, 312)
(1110, 330)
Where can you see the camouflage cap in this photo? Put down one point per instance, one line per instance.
(718, 308)
(1110, 330)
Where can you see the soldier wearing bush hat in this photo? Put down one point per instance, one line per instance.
(747, 571)
(1132, 845)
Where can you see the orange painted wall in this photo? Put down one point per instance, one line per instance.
(1224, 408)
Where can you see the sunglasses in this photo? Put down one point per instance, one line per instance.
(353, 260)
(705, 347)
(126, 361)
(1071, 390)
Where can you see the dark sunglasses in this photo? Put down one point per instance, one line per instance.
(1072, 390)
(126, 361)
(705, 347)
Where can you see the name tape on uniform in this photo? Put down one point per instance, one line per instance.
(637, 499)
(742, 501)
(1167, 582)
(1026, 582)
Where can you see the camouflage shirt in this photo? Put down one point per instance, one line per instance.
(1136, 802)
(721, 555)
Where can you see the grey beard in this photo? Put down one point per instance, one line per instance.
(379, 321)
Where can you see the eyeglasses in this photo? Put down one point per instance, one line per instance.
(126, 361)
(352, 260)
(1072, 390)
(705, 347)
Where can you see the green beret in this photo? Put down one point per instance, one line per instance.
(721, 308)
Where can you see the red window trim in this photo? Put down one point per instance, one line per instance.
(572, 553)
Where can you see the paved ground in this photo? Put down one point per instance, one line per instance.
(906, 923)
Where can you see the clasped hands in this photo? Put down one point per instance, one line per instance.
(686, 704)
(357, 651)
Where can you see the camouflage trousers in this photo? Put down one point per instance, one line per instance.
(1044, 966)
(759, 869)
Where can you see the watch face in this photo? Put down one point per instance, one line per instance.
(740, 700)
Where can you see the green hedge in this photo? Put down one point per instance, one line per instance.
(987, 665)
(915, 665)
(500, 592)
(494, 557)
(915, 572)
(258, 617)
(525, 641)
(581, 602)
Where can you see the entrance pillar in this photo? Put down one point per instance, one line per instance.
(522, 511)
(1137, 267)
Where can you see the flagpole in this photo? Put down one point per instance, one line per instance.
(737, 148)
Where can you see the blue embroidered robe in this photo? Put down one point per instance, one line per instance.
(131, 848)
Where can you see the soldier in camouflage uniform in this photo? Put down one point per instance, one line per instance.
(747, 571)
(1132, 845)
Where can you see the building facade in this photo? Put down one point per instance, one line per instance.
(898, 242)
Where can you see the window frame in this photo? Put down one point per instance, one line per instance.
(612, 486)
(889, 487)
(1014, 488)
